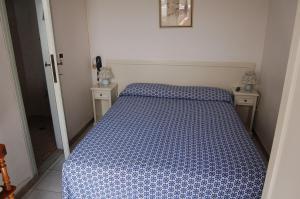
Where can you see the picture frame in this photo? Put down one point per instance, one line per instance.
(176, 13)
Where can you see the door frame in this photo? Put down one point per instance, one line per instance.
(8, 40)
(4, 23)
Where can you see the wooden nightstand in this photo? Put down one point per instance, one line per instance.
(250, 99)
(105, 97)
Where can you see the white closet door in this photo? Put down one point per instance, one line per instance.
(51, 64)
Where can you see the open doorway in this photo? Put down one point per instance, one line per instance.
(26, 41)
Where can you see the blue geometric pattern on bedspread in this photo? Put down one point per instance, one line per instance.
(153, 147)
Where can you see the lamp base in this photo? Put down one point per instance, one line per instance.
(248, 87)
(104, 82)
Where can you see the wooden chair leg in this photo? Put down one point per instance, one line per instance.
(11, 196)
(8, 188)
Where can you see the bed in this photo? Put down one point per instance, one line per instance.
(162, 141)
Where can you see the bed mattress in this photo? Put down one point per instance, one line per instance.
(161, 141)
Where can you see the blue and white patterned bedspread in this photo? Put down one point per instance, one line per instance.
(161, 141)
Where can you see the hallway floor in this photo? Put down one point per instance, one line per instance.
(42, 138)
(49, 185)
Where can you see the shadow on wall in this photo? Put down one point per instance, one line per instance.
(275, 58)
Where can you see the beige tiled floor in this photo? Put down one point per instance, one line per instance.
(49, 185)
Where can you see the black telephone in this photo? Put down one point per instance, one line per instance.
(238, 89)
(98, 66)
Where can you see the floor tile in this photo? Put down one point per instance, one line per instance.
(58, 164)
(26, 196)
(50, 182)
(37, 194)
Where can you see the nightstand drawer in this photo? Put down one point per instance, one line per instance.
(101, 95)
(245, 100)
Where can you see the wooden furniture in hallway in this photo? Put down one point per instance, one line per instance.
(7, 190)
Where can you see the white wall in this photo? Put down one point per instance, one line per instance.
(283, 177)
(287, 176)
(275, 57)
(72, 39)
(231, 30)
(11, 129)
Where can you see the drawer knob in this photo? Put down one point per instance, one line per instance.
(100, 94)
(245, 100)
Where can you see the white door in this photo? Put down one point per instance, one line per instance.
(48, 72)
(52, 75)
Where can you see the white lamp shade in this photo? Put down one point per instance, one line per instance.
(105, 74)
(249, 78)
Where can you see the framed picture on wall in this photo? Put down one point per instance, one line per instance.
(175, 13)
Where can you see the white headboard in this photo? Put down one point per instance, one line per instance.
(217, 74)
